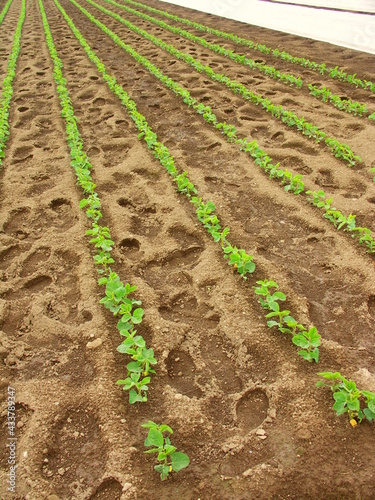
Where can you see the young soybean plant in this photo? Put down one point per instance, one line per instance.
(349, 399)
(170, 459)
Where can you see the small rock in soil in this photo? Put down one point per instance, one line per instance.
(94, 344)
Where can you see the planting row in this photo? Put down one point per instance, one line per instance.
(117, 295)
(335, 73)
(7, 86)
(324, 94)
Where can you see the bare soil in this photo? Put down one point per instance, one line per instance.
(242, 403)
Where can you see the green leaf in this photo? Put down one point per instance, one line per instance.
(164, 471)
(134, 367)
(179, 461)
(300, 341)
(154, 438)
(271, 324)
(134, 397)
(370, 415)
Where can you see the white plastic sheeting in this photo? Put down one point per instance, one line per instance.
(352, 30)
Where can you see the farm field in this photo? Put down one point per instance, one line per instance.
(143, 151)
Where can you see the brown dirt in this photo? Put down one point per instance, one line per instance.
(222, 375)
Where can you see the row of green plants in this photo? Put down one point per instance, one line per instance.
(308, 340)
(347, 105)
(335, 73)
(270, 71)
(325, 94)
(320, 200)
(292, 183)
(357, 404)
(238, 258)
(118, 297)
(7, 87)
(339, 150)
(5, 10)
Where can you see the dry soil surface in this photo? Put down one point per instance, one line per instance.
(242, 403)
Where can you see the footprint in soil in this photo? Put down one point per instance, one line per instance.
(109, 489)
(251, 410)
(34, 260)
(76, 452)
(237, 464)
(185, 307)
(177, 262)
(11, 253)
(68, 284)
(215, 355)
(371, 305)
(129, 247)
(182, 235)
(59, 214)
(325, 178)
(17, 223)
(181, 372)
(145, 226)
(22, 154)
(33, 286)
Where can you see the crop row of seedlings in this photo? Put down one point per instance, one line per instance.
(238, 258)
(292, 183)
(7, 87)
(5, 10)
(339, 150)
(269, 296)
(270, 71)
(335, 73)
(323, 93)
(117, 295)
(347, 105)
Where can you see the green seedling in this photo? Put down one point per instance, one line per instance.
(263, 290)
(184, 185)
(319, 199)
(129, 317)
(365, 237)
(137, 387)
(309, 341)
(116, 297)
(292, 326)
(369, 412)
(276, 313)
(170, 459)
(348, 398)
(241, 261)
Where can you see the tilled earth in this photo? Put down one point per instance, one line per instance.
(242, 403)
